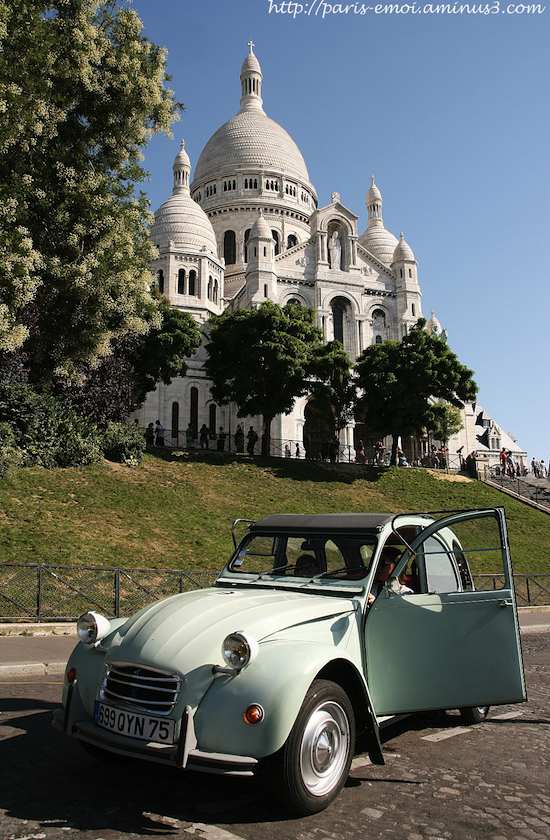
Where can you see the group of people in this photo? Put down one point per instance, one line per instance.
(509, 467)
(539, 468)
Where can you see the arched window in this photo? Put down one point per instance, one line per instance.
(338, 323)
(181, 281)
(215, 293)
(229, 247)
(210, 288)
(160, 280)
(379, 320)
(291, 241)
(194, 410)
(342, 322)
(255, 183)
(295, 301)
(378, 339)
(275, 235)
(413, 309)
(212, 419)
(175, 419)
(193, 286)
(246, 238)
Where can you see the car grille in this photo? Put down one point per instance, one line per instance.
(142, 688)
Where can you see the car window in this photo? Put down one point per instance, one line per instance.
(440, 572)
(255, 554)
(306, 556)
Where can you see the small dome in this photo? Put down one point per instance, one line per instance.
(434, 325)
(180, 219)
(260, 229)
(380, 242)
(403, 251)
(374, 193)
(251, 63)
(182, 158)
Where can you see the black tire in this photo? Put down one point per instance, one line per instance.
(312, 767)
(474, 714)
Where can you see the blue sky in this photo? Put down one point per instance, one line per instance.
(452, 115)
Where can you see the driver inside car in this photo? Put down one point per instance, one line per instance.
(386, 566)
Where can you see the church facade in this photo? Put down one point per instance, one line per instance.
(246, 227)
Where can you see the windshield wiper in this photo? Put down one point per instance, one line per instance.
(329, 573)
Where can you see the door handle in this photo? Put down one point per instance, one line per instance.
(505, 603)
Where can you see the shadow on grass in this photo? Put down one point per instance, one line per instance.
(292, 468)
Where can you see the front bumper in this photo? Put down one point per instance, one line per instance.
(183, 755)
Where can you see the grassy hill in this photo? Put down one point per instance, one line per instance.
(178, 512)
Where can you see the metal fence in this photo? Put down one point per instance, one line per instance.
(42, 592)
(316, 450)
(534, 492)
(38, 592)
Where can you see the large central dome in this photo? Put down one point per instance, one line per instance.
(251, 140)
(251, 143)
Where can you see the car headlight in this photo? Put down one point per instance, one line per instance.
(239, 650)
(92, 627)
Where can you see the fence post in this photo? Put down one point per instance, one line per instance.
(39, 593)
(117, 593)
(181, 583)
(528, 590)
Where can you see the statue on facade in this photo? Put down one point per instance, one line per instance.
(335, 250)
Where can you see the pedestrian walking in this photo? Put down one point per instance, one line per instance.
(159, 434)
(221, 440)
(203, 436)
(189, 436)
(360, 452)
(150, 436)
(288, 453)
(239, 439)
(298, 453)
(252, 440)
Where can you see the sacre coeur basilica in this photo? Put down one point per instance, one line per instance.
(246, 227)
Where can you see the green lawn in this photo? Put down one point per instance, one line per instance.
(178, 513)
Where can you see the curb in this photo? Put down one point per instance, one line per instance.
(59, 628)
(32, 669)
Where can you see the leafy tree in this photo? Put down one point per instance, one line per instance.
(399, 380)
(445, 422)
(259, 359)
(120, 383)
(333, 386)
(81, 92)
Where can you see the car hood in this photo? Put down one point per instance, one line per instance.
(186, 631)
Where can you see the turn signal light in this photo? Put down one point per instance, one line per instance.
(253, 714)
(71, 675)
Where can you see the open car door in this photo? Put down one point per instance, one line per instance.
(450, 645)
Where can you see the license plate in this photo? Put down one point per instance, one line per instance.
(132, 725)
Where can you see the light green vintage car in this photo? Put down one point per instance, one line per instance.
(319, 631)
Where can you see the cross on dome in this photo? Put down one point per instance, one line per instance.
(251, 46)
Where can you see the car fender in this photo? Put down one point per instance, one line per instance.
(278, 680)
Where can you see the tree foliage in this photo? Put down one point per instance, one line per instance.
(259, 359)
(81, 92)
(400, 379)
(445, 421)
(119, 384)
(332, 385)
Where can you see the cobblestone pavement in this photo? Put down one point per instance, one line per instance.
(491, 781)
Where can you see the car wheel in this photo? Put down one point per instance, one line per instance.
(474, 714)
(312, 767)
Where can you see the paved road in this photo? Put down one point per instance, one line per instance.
(492, 781)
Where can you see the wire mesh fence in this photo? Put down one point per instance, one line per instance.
(42, 592)
(38, 592)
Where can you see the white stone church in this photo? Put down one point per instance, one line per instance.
(246, 228)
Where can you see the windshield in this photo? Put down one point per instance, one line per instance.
(343, 557)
